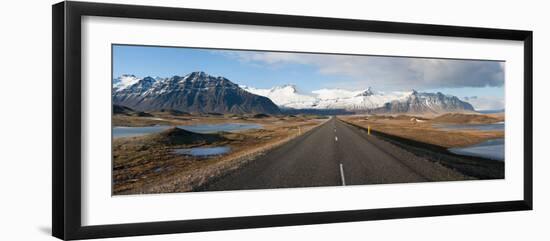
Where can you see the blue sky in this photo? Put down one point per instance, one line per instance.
(167, 62)
(261, 69)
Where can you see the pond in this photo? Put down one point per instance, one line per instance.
(491, 149)
(203, 151)
(122, 131)
(213, 128)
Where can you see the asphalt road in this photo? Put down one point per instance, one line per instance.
(332, 154)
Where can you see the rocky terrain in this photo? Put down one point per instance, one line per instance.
(196, 92)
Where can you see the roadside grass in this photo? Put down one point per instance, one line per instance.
(147, 164)
(427, 142)
(424, 131)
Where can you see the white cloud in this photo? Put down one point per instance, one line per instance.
(389, 72)
(485, 102)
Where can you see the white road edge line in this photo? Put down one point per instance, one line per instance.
(335, 138)
(342, 174)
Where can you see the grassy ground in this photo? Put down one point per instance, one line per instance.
(425, 141)
(147, 164)
(423, 130)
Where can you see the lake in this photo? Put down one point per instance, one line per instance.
(213, 128)
(491, 149)
(123, 131)
(203, 151)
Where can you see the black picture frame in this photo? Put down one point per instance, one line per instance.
(66, 128)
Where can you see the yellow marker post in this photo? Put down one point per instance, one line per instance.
(368, 130)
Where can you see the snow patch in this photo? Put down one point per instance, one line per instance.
(124, 81)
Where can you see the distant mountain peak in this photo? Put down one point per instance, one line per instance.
(142, 84)
(293, 86)
(197, 76)
(149, 78)
(287, 87)
(366, 92)
(198, 73)
(425, 102)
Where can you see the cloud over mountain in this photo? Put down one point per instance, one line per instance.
(396, 73)
(485, 102)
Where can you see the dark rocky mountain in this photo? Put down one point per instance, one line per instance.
(367, 92)
(196, 92)
(426, 103)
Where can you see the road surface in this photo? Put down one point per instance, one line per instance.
(332, 154)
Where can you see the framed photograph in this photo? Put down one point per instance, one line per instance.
(170, 120)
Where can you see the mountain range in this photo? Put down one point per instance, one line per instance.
(368, 100)
(196, 92)
(199, 92)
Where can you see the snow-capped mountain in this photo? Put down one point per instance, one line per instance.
(355, 100)
(196, 92)
(288, 97)
(368, 100)
(428, 103)
(285, 96)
